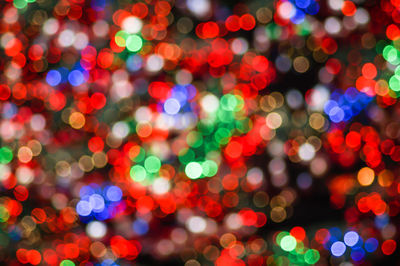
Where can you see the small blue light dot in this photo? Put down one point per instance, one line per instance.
(338, 248)
(371, 244)
(76, 78)
(329, 105)
(53, 78)
(336, 114)
(351, 238)
(83, 208)
(357, 254)
(114, 193)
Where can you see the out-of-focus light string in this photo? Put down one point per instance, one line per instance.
(197, 131)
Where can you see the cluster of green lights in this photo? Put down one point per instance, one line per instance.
(392, 55)
(230, 110)
(196, 170)
(20, 4)
(212, 133)
(151, 167)
(6, 155)
(298, 253)
(132, 42)
(203, 144)
(230, 102)
(228, 119)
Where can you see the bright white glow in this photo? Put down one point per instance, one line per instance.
(132, 24)
(81, 41)
(273, 120)
(66, 38)
(24, 175)
(319, 96)
(255, 176)
(165, 121)
(120, 90)
(172, 106)
(161, 185)
(199, 7)
(306, 152)
(239, 46)
(361, 16)
(143, 114)
(96, 229)
(51, 26)
(286, 10)
(332, 25)
(100, 28)
(38, 122)
(335, 4)
(233, 221)
(120, 130)
(209, 103)
(196, 224)
(154, 63)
